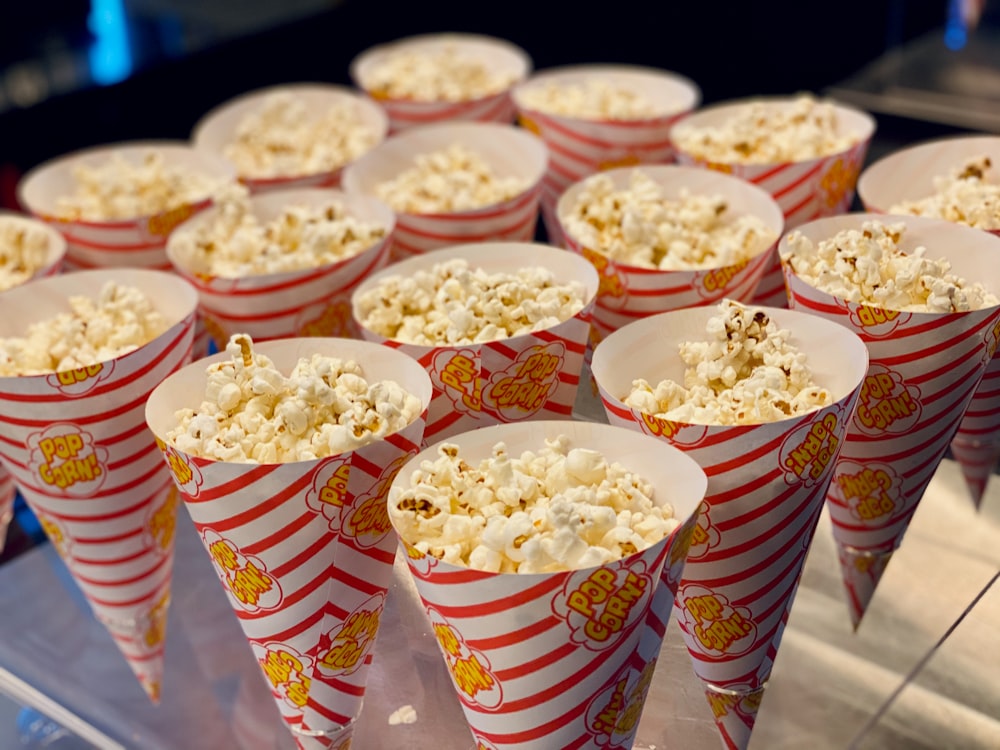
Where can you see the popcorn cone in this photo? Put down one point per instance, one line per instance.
(805, 190)
(499, 55)
(310, 302)
(302, 549)
(8, 493)
(924, 369)
(978, 461)
(508, 151)
(217, 129)
(556, 660)
(534, 376)
(579, 147)
(766, 485)
(77, 447)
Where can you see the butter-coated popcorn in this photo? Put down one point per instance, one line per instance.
(119, 321)
(747, 372)
(965, 196)
(763, 134)
(24, 250)
(555, 509)
(639, 226)
(427, 75)
(867, 266)
(233, 242)
(591, 99)
(446, 181)
(451, 304)
(252, 413)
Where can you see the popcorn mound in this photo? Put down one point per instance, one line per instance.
(868, 267)
(119, 321)
(593, 99)
(556, 509)
(252, 413)
(448, 180)
(24, 250)
(965, 196)
(122, 189)
(452, 304)
(233, 242)
(746, 373)
(761, 134)
(639, 226)
(283, 138)
(439, 75)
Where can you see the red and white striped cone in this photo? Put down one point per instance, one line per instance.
(533, 376)
(499, 55)
(510, 152)
(303, 549)
(553, 660)
(309, 302)
(978, 462)
(217, 129)
(924, 369)
(8, 493)
(766, 485)
(76, 444)
(805, 190)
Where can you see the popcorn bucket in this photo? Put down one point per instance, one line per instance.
(629, 292)
(308, 302)
(508, 151)
(578, 147)
(559, 660)
(805, 190)
(766, 484)
(303, 549)
(924, 368)
(532, 376)
(78, 449)
(217, 130)
(909, 175)
(498, 55)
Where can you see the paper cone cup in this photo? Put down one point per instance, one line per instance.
(628, 292)
(508, 151)
(499, 55)
(303, 549)
(534, 376)
(978, 462)
(76, 444)
(310, 302)
(735, 711)
(924, 369)
(766, 485)
(553, 660)
(217, 129)
(805, 190)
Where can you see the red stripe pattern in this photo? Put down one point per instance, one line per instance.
(8, 493)
(407, 113)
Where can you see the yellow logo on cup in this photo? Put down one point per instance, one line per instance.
(460, 378)
(629, 160)
(869, 491)
(334, 492)
(65, 457)
(334, 320)
(163, 521)
(285, 668)
(347, 646)
(163, 224)
(529, 124)
(718, 627)
(606, 601)
(469, 670)
(808, 452)
(886, 403)
(246, 577)
(721, 703)
(838, 181)
(716, 280)
(609, 284)
(80, 380)
(156, 626)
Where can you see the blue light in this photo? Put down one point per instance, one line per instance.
(109, 56)
(955, 36)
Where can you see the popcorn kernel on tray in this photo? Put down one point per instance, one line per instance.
(560, 508)
(252, 413)
(119, 321)
(965, 196)
(867, 266)
(24, 249)
(745, 373)
(434, 75)
(591, 99)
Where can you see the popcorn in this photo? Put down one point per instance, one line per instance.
(868, 267)
(283, 138)
(560, 508)
(434, 75)
(966, 196)
(593, 99)
(24, 250)
(122, 189)
(406, 714)
(234, 243)
(119, 321)
(451, 304)
(252, 413)
(761, 134)
(746, 373)
(639, 226)
(447, 181)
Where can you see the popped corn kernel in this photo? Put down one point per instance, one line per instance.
(118, 321)
(747, 372)
(435, 75)
(24, 249)
(639, 226)
(554, 509)
(252, 413)
(451, 304)
(592, 99)
(967, 195)
(867, 266)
